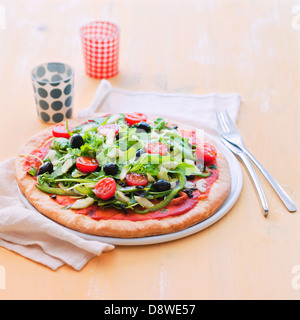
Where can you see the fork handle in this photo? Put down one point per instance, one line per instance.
(256, 182)
(279, 190)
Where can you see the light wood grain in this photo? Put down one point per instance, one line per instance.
(189, 46)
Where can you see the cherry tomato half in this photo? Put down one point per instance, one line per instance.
(60, 131)
(157, 148)
(136, 179)
(86, 164)
(135, 117)
(107, 128)
(105, 188)
(206, 153)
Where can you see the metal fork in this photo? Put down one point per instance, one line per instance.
(252, 173)
(231, 134)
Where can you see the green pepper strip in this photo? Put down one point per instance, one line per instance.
(168, 199)
(203, 175)
(154, 195)
(57, 191)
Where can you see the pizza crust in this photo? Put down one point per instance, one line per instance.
(120, 228)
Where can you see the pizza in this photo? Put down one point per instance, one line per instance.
(123, 175)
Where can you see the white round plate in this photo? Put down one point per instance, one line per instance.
(236, 187)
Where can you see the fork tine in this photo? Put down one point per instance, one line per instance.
(230, 123)
(221, 121)
(220, 127)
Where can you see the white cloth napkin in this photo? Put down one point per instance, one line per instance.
(195, 110)
(34, 236)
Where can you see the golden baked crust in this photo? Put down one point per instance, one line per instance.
(120, 228)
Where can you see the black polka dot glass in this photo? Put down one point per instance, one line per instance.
(53, 86)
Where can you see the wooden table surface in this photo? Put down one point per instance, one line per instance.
(190, 46)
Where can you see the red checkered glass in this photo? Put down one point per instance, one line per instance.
(100, 43)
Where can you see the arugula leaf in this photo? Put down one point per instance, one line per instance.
(186, 169)
(69, 131)
(100, 120)
(160, 123)
(32, 171)
(88, 151)
(60, 144)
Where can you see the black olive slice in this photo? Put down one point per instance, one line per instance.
(111, 169)
(143, 126)
(162, 185)
(76, 141)
(46, 167)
